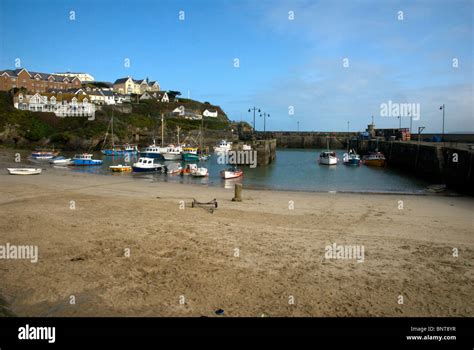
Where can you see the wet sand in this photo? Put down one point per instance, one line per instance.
(248, 258)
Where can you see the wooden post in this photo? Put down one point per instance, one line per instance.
(238, 193)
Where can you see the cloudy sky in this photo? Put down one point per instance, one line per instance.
(328, 61)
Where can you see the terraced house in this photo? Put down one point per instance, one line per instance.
(61, 104)
(129, 86)
(35, 82)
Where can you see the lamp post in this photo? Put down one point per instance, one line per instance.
(411, 121)
(265, 116)
(443, 108)
(254, 109)
(400, 122)
(298, 125)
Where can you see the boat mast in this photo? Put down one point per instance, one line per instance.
(178, 129)
(112, 121)
(162, 131)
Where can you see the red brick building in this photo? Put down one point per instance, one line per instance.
(34, 81)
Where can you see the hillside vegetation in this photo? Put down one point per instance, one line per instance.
(25, 128)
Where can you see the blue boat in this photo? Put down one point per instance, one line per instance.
(153, 151)
(351, 158)
(85, 159)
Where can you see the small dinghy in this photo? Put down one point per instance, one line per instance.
(24, 171)
(232, 173)
(120, 168)
(60, 160)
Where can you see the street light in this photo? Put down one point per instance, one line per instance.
(265, 116)
(443, 108)
(254, 109)
(298, 125)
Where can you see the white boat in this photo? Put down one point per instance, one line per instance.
(60, 160)
(246, 148)
(147, 165)
(24, 171)
(174, 168)
(199, 172)
(232, 173)
(328, 158)
(223, 147)
(173, 153)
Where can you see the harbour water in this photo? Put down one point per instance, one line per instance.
(293, 169)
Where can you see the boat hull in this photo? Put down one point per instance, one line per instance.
(328, 161)
(147, 170)
(120, 169)
(172, 156)
(375, 162)
(24, 171)
(86, 162)
(158, 156)
(231, 174)
(189, 157)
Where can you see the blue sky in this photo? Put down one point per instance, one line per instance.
(283, 62)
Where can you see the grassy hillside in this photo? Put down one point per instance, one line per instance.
(24, 128)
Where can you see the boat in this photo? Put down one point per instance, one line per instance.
(190, 154)
(145, 164)
(232, 173)
(174, 168)
(197, 171)
(246, 148)
(328, 158)
(24, 171)
(120, 168)
(43, 155)
(375, 159)
(153, 151)
(204, 157)
(351, 158)
(84, 159)
(128, 148)
(173, 153)
(223, 147)
(60, 160)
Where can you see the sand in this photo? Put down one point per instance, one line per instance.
(248, 258)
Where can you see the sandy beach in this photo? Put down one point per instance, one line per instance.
(120, 246)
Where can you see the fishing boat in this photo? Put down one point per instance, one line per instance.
(375, 159)
(328, 158)
(130, 149)
(351, 158)
(190, 154)
(24, 171)
(120, 168)
(223, 147)
(60, 160)
(153, 151)
(84, 159)
(173, 153)
(232, 173)
(145, 164)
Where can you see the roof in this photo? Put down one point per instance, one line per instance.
(121, 80)
(59, 96)
(43, 76)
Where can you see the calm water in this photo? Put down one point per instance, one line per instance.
(295, 169)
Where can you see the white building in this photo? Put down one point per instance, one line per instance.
(62, 105)
(83, 77)
(208, 113)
